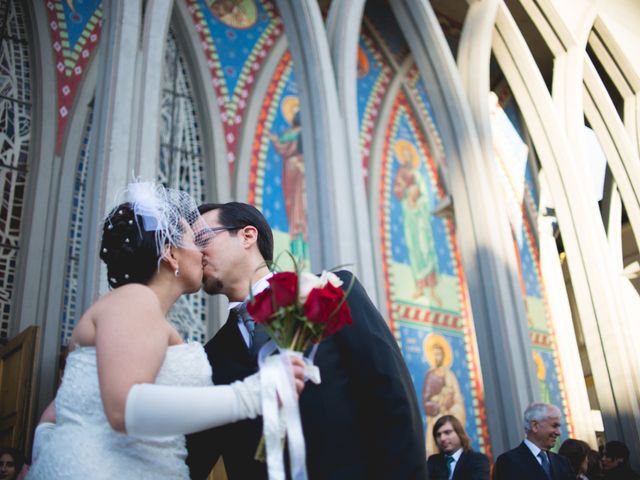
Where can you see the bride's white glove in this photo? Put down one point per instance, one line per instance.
(159, 410)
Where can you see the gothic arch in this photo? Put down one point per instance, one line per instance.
(578, 217)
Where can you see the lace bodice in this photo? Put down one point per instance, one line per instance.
(83, 445)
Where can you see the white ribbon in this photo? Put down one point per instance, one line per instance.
(276, 381)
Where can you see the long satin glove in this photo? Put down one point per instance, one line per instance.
(159, 410)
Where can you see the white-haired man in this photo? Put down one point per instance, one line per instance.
(532, 460)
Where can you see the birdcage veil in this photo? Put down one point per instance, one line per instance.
(165, 211)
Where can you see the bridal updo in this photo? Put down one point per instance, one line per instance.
(136, 232)
(127, 250)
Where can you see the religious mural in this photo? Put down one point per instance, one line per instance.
(425, 285)
(236, 38)
(75, 31)
(277, 165)
(520, 193)
(374, 75)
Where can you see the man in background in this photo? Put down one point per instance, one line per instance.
(456, 460)
(532, 459)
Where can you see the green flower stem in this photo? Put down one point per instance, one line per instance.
(261, 451)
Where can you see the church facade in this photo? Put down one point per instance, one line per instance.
(476, 164)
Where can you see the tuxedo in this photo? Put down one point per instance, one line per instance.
(520, 464)
(470, 466)
(361, 422)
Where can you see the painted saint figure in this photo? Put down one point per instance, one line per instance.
(289, 146)
(234, 13)
(441, 393)
(411, 189)
(541, 375)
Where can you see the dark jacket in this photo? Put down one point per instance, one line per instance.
(621, 472)
(520, 464)
(470, 466)
(361, 422)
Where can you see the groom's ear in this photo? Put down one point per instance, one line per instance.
(249, 235)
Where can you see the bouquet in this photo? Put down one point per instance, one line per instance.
(297, 311)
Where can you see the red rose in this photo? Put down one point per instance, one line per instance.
(261, 308)
(282, 292)
(285, 288)
(321, 306)
(341, 319)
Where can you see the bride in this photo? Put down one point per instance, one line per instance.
(131, 388)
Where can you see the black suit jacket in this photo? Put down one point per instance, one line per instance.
(361, 422)
(470, 466)
(520, 464)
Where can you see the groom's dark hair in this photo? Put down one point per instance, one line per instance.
(238, 214)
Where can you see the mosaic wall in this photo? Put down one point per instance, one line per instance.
(424, 281)
(75, 30)
(278, 156)
(521, 196)
(236, 38)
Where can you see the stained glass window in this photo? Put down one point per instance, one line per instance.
(181, 166)
(70, 300)
(15, 132)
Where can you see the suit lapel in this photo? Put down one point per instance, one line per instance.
(441, 466)
(528, 459)
(228, 354)
(235, 338)
(459, 466)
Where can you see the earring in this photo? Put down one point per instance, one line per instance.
(177, 272)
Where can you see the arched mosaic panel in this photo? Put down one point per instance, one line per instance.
(276, 182)
(236, 38)
(511, 155)
(424, 281)
(70, 314)
(374, 76)
(181, 166)
(75, 30)
(15, 128)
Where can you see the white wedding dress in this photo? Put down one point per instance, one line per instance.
(82, 444)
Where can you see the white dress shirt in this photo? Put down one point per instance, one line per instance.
(535, 450)
(256, 288)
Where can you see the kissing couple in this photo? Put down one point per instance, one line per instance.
(134, 395)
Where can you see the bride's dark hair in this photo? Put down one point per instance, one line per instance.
(136, 232)
(128, 251)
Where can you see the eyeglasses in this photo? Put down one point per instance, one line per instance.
(205, 235)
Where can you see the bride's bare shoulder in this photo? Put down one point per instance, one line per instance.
(132, 297)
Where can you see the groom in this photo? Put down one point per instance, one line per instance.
(361, 422)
